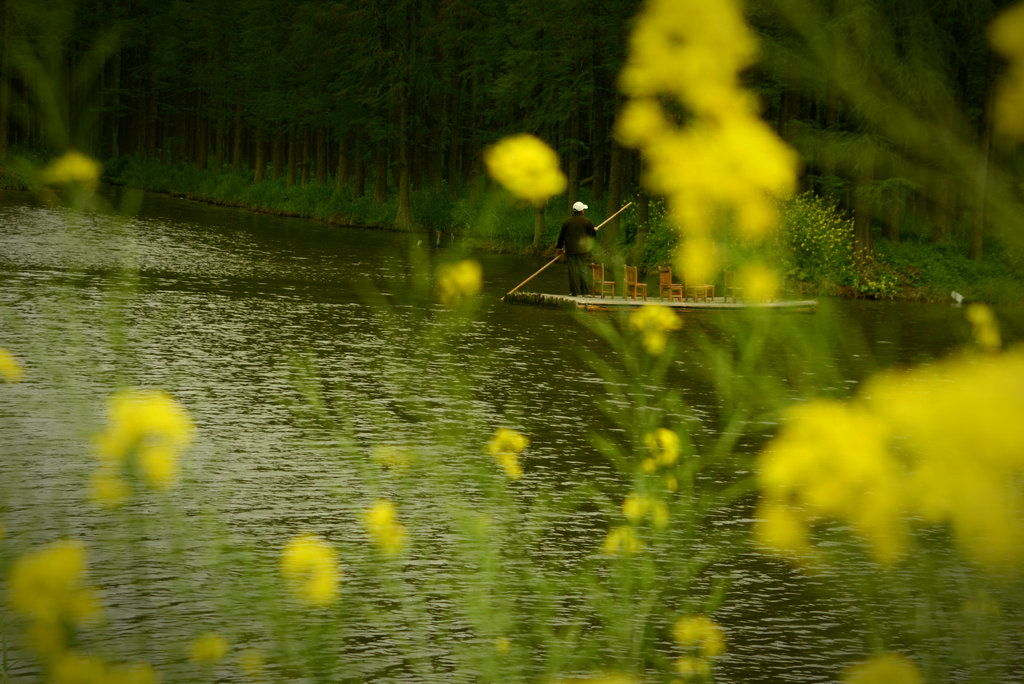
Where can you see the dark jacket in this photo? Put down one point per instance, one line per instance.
(577, 235)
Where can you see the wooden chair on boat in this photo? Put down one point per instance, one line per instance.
(731, 288)
(701, 292)
(601, 286)
(632, 285)
(665, 284)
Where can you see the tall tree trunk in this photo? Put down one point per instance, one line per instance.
(260, 163)
(5, 83)
(321, 154)
(977, 239)
(358, 175)
(403, 216)
(863, 204)
(276, 155)
(573, 167)
(435, 152)
(455, 143)
(597, 142)
(344, 147)
(538, 227)
(643, 217)
(236, 148)
(218, 142)
(305, 164)
(291, 157)
(941, 209)
(616, 178)
(380, 173)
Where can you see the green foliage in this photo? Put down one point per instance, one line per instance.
(934, 271)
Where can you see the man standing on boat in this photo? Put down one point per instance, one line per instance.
(575, 241)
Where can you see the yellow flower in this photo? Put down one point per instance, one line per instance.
(505, 447)
(208, 648)
(891, 668)
(502, 645)
(47, 585)
(701, 633)
(654, 322)
(381, 522)
(1006, 34)
(73, 168)
(310, 567)
(252, 663)
(636, 507)
(692, 667)
(527, 167)
(941, 444)
(71, 667)
(723, 165)
(758, 282)
(984, 326)
(665, 445)
(10, 369)
(459, 281)
(622, 540)
(146, 429)
(107, 488)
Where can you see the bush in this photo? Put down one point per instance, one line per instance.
(815, 242)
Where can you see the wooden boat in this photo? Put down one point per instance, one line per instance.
(596, 303)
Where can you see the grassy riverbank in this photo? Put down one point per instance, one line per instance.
(814, 242)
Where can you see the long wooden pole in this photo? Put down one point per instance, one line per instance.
(557, 257)
(531, 277)
(613, 215)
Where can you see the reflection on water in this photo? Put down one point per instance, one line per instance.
(221, 307)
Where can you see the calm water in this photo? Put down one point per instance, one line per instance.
(221, 305)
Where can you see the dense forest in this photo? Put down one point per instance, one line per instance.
(887, 101)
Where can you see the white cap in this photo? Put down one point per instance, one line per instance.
(579, 206)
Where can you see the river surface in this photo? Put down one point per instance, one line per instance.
(219, 307)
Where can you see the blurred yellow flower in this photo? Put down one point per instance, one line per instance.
(984, 326)
(1006, 34)
(692, 667)
(502, 645)
(208, 648)
(527, 167)
(73, 168)
(723, 165)
(458, 281)
(252, 663)
(758, 282)
(46, 585)
(637, 507)
(622, 540)
(72, 667)
(310, 567)
(381, 521)
(701, 633)
(107, 488)
(664, 444)
(505, 447)
(146, 429)
(654, 322)
(10, 368)
(891, 668)
(941, 444)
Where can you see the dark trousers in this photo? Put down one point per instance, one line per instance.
(579, 278)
